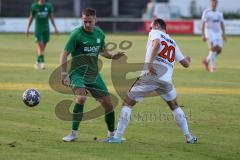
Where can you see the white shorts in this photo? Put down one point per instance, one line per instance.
(147, 84)
(214, 39)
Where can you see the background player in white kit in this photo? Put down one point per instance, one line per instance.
(213, 31)
(162, 52)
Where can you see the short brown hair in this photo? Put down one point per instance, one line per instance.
(161, 22)
(89, 12)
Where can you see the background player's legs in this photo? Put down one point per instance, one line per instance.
(40, 52)
(212, 59)
(215, 51)
(215, 47)
(42, 38)
(208, 61)
(77, 113)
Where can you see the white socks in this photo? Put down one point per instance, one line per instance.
(181, 120)
(211, 58)
(125, 116)
(123, 121)
(74, 133)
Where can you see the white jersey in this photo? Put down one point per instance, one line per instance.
(168, 53)
(213, 20)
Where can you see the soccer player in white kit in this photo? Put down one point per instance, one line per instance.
(162, 52)
(213, 31)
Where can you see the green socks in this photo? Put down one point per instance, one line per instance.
(77, 116)
(110, 120)
(40, 58)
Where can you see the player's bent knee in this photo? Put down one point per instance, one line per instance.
(172, 104)
(129, 102)
(108, 107)
(81, 99)
(219, 50)
(212, 49)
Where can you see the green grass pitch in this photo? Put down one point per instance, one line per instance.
(211, 102)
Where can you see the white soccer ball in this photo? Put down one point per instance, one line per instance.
(31, 97)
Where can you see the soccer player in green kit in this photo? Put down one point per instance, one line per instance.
(41, 11)
(85, 44)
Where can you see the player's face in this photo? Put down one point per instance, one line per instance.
(214, 4)
(88, 22)
(154, 26)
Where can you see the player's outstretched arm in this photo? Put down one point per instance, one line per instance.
(108, 55)
(186, 62)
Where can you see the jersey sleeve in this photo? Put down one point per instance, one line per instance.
(33, 10)
(50, 8)
(71, 43)
(155, 35)
(179, 56)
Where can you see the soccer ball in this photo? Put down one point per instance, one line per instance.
(31, 97)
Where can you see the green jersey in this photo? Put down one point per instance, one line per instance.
(41, 14)
(85, 47)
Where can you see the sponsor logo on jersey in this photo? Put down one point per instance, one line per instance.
(160, 59)
(43, 14)
(216, 20)
(92, 49)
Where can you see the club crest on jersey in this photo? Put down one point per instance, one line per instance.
(45, 9)
(98, 40)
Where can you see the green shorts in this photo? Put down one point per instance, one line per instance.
(42, 36)
(96, 87)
